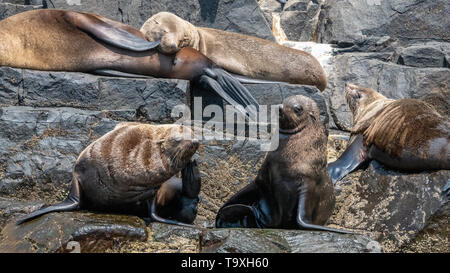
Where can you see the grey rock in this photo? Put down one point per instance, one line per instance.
(300, 19)
(10, 208)
(375, 70)
(348, 22)
(151, 99)
(71, 232)
(38, 147)
(431, 54)
(8, 9)
(391, 207)
(284, 241)
(242, 16)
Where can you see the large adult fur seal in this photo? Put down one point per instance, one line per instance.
(241, 54)
(292, 188)
(126, 168)
(62, 40)
(404, 134)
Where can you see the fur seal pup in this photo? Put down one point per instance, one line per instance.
(240, 54)
(292, 188)
(404, 134)
(124, 169)
(60, 40)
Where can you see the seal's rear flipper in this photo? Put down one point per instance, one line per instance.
(236, 216)
(353, 157)
(231, 90)
(71, 203)
(108, 33)
(155, 217)
(303, 223)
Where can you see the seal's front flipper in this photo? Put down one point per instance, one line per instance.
(304, 223)
(231, 90)
(236, 216)
(190, 177)
(353, 157)
(108, 33)
(71, 203)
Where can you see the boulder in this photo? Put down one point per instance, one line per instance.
(165, 238)
(284, 241)
(349, 22)
(71, 232)
(392, 208)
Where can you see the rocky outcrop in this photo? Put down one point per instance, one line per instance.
(71, 232)
(399, 210)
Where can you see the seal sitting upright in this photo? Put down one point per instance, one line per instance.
(241, 54)
(292, 188)
(126, 168)
(404, 134)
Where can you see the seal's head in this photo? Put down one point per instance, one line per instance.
(359, 98)
(178, 147)
(296, 113)
(174, 32)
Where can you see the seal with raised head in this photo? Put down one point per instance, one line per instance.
(60, 40)
(126, 168)
(292, 189)
(237, 53)
(404, 134)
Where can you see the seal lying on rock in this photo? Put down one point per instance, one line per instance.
(241, 54)
(60, 40)
(404, 134)
(124, 169)
(292, 188)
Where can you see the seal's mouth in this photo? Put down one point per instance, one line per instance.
(288, 131)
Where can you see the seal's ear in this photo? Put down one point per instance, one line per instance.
(109, 33)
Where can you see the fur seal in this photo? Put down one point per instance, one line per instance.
(404, 134)
(59, 40)
(292, 188)
(126, 168)
(237, 53)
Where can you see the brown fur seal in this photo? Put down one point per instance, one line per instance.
(292, 188)
(124, 169)
(404, 134)
(241, 54)
(61, 40)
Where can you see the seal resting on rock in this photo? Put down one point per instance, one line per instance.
(292, 188)
(241, 54)
(123, 170)
(405, 134)
(60, 40)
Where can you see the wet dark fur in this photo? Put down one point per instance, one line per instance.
(293, 181)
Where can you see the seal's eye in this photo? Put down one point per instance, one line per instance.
(357, 95)
(298, 109)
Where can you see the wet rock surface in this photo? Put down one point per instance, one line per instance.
(71, 232)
